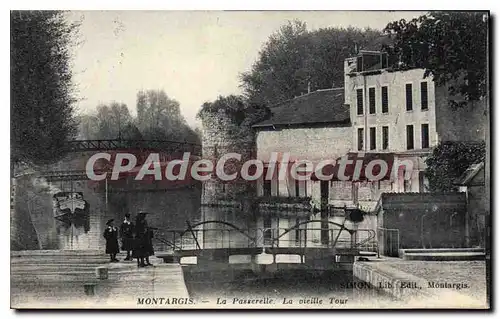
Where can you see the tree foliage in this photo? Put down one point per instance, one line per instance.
(237, 107)
(111, 121)
(42, 94)
(158, 118)
(450, 46)
(449, 160)
(294, 60)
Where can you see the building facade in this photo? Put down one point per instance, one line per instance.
(380, 111)
(314, 127)
(392, 111)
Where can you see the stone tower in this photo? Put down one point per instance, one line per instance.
(228, 201)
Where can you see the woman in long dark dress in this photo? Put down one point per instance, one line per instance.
(143, 247)
(111, 236)
(127, 235)
(138, 251)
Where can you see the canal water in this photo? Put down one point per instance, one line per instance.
(290, 289)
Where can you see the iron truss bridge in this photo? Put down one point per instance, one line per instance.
(68, 175)
(145, 145)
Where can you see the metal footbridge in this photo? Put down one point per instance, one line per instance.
(301, 244)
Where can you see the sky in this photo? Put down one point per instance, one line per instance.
(194, 56)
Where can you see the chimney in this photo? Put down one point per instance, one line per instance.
(308, 87)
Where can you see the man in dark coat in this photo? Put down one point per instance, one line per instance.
(139, 249)
(111, 236)
(143, 246)
(127, 236)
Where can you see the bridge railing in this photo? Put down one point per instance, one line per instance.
(158, 145)
(194, 239)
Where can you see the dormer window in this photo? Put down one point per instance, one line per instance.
(371, 61)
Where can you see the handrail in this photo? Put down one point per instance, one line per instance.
(216, 222)
(370, 231)
(342, 227)
(258, 237)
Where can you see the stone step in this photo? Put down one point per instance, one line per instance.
(62, 276)
(62, 263)
(59, 257)
(48, 258)
(438, 250)
(126, 282)
(52, 268)
(17, 279)
(68, 252)
(445, 256)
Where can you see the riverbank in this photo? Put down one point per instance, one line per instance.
(427, 284)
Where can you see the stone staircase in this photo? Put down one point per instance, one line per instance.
(442, 254)
(57, 279)
(52, 276)
(127, 284)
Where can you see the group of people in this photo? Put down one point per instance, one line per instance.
(137, 239)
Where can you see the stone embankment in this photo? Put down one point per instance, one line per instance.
(427, 284)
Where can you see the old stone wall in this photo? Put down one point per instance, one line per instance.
(311, 143)
(229, 201)
(426, 220)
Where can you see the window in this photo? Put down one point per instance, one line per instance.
(424, 98)
(373, 138)
(360, 139)
(268, 232)
(297, 231)
(324, 194)
(407, 185)
(267, 187)
(300, 186)
(409, 97)
(385, 100)
(354, 192)
(359, 97)
(425, 135)
(384, 60)
(422, 182)
(267, 222)
(374, 190)
(359, 64)
(371, 96)
(385, 137)
(409, 137)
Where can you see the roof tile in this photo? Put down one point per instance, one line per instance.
(322, 106)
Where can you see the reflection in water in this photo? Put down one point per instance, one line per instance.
(71, 212)
(330, 289)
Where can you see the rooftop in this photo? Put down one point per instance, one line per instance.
(471, 172)
(318, 107)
